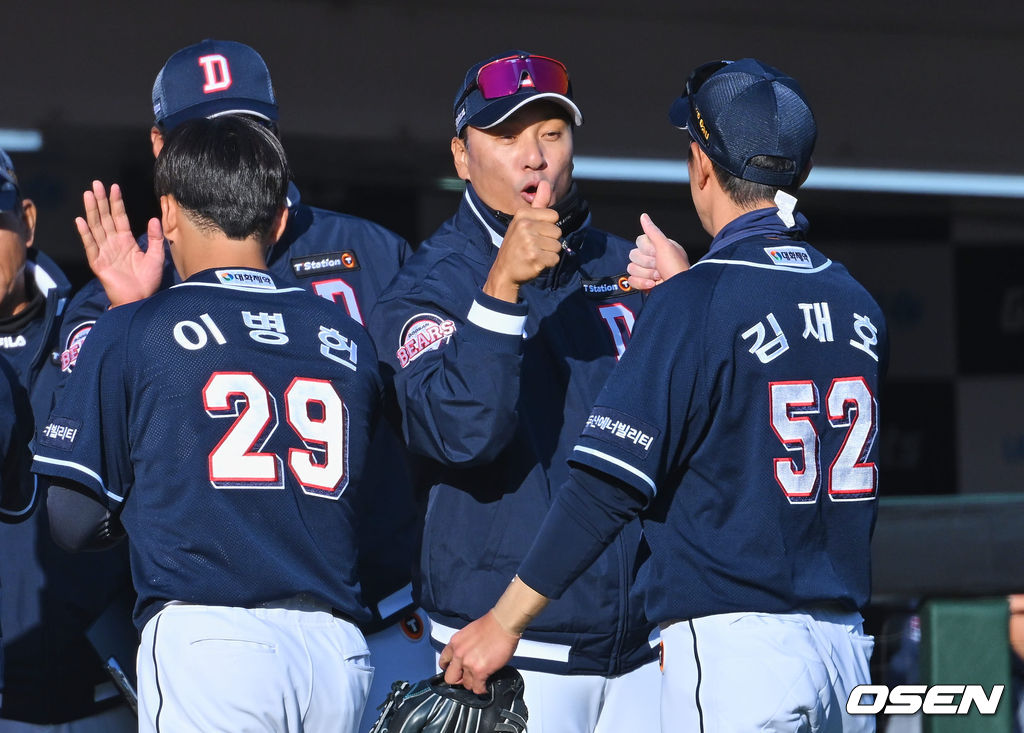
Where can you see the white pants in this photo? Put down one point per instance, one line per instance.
(215, 668)
(570, 703)
(580, 703)
(402, 651)
(765, 672)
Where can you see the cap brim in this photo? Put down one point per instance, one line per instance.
(8, 197)
(500, 110)
(220, 107)
(679, 112)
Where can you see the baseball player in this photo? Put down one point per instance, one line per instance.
(741, 424)
(342, 258)
(499, 331)
(224, 423)
(52, 673)
(17, 489)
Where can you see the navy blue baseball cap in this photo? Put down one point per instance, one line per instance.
(10, 196)
(736, 110)
(212, 78)
(495, 88)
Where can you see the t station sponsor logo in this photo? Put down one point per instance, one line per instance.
(322, 264)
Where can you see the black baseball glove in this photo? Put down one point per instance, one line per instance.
(433, 706)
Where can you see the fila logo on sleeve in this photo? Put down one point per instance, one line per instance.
(218, 74)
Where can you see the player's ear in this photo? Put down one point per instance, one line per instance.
(157, 139)
(459, 154)
(28, 220)
(702, 166)
(278, 226)
(169, 213)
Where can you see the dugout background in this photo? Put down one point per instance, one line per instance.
(365, 90)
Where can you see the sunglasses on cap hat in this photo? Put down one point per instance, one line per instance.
(701, 74)
(504, 77)
(683, 107)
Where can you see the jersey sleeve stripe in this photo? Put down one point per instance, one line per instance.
(81, 469)
(494, 321)
(621, 464)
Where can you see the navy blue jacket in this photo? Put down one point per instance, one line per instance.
(494, 395)
(347, 260)
(50, 597)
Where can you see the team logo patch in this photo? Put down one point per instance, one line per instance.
(607, 287)
(789, 256)
(60, 433)
(246, 279)
(69, 357)
(621, 430)
(324, 263)
(423, 332)
(412, 626)
(12, 342)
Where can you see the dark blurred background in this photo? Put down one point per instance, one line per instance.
(365, 90)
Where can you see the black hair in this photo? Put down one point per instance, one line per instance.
(228, 173)
(748, 193)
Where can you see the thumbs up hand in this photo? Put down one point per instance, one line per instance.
(532, 244)
(655, 258)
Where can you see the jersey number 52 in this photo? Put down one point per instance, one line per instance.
(850, 405)
(316, 414)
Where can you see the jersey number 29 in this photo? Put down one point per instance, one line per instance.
(850, 405)
(315, 413)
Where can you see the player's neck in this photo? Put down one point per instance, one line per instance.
(724, 210)
(218, 251)
(16, 299)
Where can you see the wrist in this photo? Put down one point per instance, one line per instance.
(517, 607)
(501, 288)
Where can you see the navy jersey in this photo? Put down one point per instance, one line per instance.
(17, 490)
(226, 420)
(746, 410)
(348, 261)
(51, 671)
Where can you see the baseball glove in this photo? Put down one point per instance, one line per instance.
(433, 706)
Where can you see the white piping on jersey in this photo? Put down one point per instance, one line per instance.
(496, 321)
(526, 647)
(82, 469)
(395, 602)
(244, 289)
(28, 507)
(620, 464)
(496, 238)
(827, 263)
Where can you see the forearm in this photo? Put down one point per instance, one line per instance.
(589, 511)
